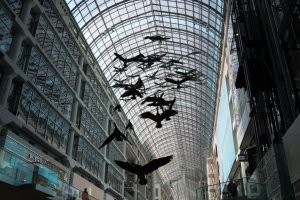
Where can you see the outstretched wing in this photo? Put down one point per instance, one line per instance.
(139, 83)
(191, 71)
(120, 57)
(138, 93)
(108, 140)
(117, 107)
(168, 113)
(172, 103)
(127, 166)
(156, 163)
(187, 78)
(171, 80)
(154, 74)
(177, 61)
(129, 125)
(148, 115)
(127, 93)
(149, 98)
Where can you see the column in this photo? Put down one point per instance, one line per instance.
(75, 106)
(18, 39)
(13, 53)
(26, 10)
(5, 85)
(16, 46)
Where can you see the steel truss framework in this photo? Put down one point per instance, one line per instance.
(195, 29)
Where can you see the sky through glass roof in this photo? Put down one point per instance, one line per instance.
(195, 30)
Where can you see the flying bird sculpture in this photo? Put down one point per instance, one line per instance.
(120, 83)
(170, 112)
(173, 61)
(118, 108)
(154, 98)
(129, 126)
(151, 59)
(142, 170)
(161, 85)
(162, 103)
(132, 93)
(139, 84)
(153, 76)
(132, 90)
(139, 58)
(120, 69)
(117, 135)
(157, 38)
(178, 82)
(158, 101)
(170, 63)
(185, 74)
(158, 118)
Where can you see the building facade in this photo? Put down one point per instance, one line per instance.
(56, 109)
(267, 44)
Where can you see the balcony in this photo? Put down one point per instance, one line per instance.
(246, 189)
(26, 180)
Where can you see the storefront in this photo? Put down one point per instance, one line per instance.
(21, 165)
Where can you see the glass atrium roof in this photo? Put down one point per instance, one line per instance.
(195, 30)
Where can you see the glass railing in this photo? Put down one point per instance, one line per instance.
(16, 171)
(243, 189)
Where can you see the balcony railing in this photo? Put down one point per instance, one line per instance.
(245, 189)
(26, 175)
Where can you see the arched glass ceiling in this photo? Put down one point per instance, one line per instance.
(195, 28)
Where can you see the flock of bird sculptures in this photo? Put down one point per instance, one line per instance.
(132, 91)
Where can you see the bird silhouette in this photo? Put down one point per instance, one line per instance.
(132, 93)
(173, 61)
(162, 103)
(170, 63)
(129, 126)
(118, 108)
(139, 83)
(178, 82)
(169, 112)
(154, 98)
(185, 74)
(158, 118)
(158, 101)
(138, 58)
(157, 38)
(151, 59)
(120, 69)
(161, 85)
(116, 134)
(153, 76)
(120, 81)
(142, 170)
(120, 85)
